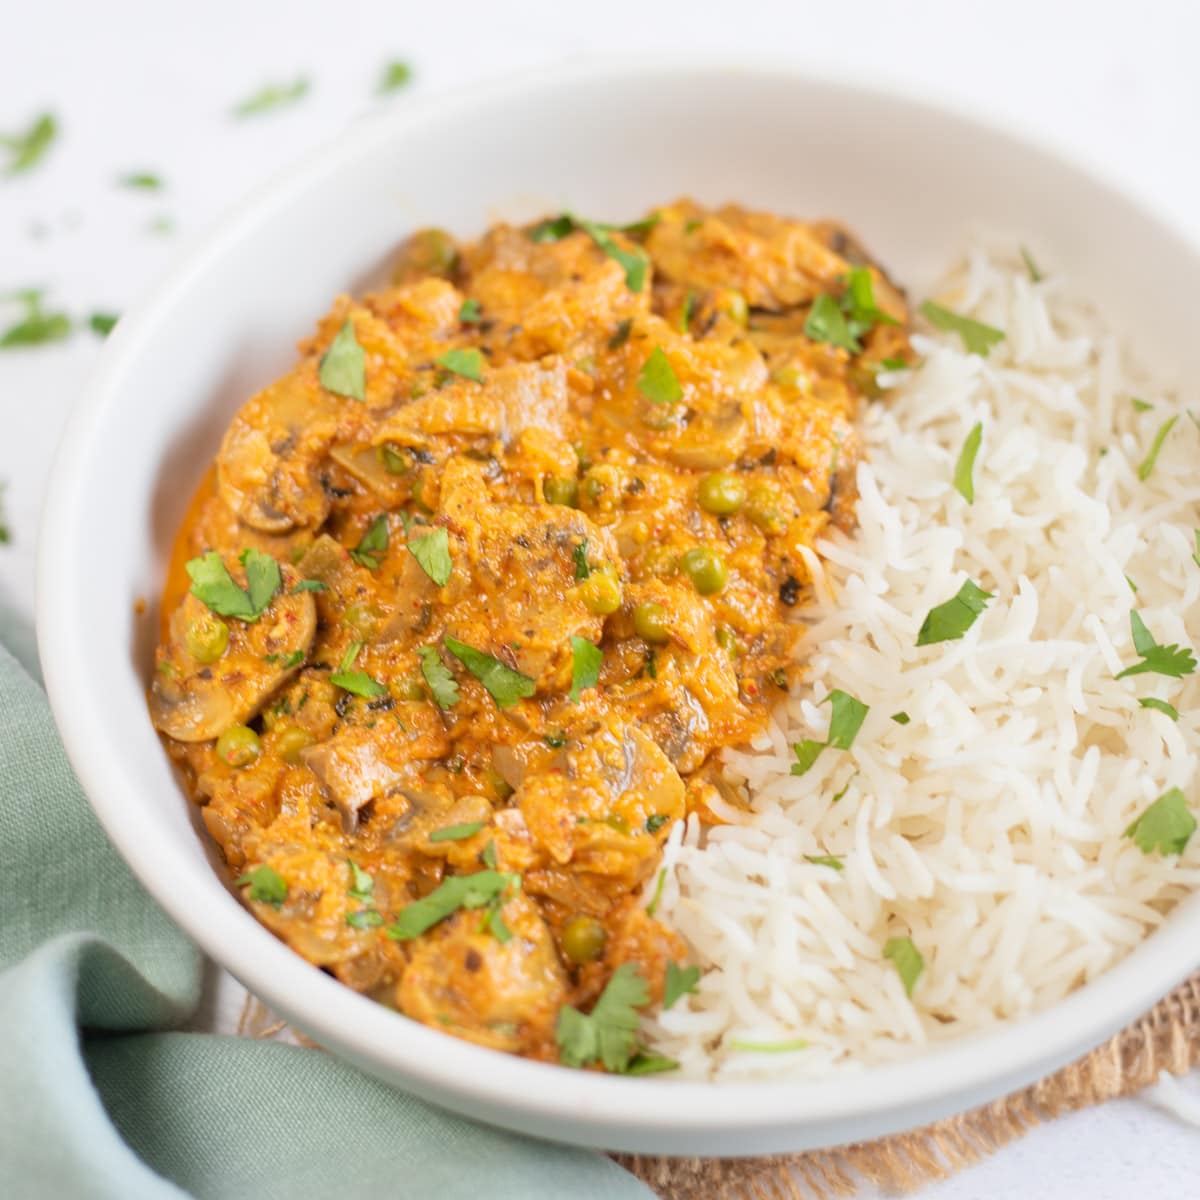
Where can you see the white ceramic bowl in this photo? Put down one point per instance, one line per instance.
(607, 140)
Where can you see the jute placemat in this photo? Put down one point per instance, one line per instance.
(1167, 1038)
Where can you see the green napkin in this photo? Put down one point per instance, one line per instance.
(97, 1099)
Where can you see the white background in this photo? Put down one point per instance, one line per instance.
(150, 85)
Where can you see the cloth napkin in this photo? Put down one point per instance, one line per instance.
(98, 1098)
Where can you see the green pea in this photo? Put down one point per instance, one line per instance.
(705, 569)
(290, 741)
(722, 493)
(395, 462)
(363, 619)
(601, 593)
(583, 939)
(427, 252)
(206, 638)
(762, 508)
(651, 623)
(559, 490)
(238, 746)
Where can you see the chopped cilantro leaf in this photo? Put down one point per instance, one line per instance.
(441, 681)
(685, 313)
(1166, 826)
(456, 833)
(396, 74)
(657, 380)
(310, 585)
(859, 302)
(358, 683)
(266, 885)
(583, 571)
(553, 229)
(659, 884)
(36, 326)
(907, 959)
(1172, 661)
(646, 1062)
(489, 854)
(949, 621)
(470, 313)
(1196, 552)
(1140, 405)
(374, 544)
(827, 323)
(145, 181)
(367, 918)
(503, 684)
(825, 860)
(343, 369)
(432, 552)
(1035, 274)
(102, 323)
(1147, 464)
(964, 481)
(467, 363)
(901, 718)
(807, 752)
(213, 586)
(655, 821)
(607, 1033)
(454, 893)
(26, 150)
(1160, 705)
(274, 95)
(362, 886)
(847, 716)
(894, 364)
(585, 666)
(621, 336)
(680, 981)
(977, 337)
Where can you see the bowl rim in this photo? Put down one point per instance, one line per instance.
(380, 1039)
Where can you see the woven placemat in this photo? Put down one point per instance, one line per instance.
(1167, 1038)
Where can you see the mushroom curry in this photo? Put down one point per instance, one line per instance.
(476, 593)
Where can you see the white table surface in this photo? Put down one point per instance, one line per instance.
(149, 84)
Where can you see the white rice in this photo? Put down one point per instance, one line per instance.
(990, 829)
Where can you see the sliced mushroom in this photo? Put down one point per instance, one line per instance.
(193, 701)
(710, 440)
(269, 464)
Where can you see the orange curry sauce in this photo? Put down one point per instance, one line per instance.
(601, 492)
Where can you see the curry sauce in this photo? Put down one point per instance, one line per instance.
(475, 594)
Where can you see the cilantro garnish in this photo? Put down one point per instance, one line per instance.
(657, 380)
(659, 884)
(621, 336)
(274, 95)
(845, 720)
(470, 313)
(36, 326)
(858, 303)
(367, 918)
(646, 1062)
(608, 1033)
(827, 323)
(343, 369)
(1147, 464)
(907, 959)
(467, 363)
(144, 181)
(964, 481)
(102, 323)
(26, 150)
(266, 885)
(583, 571)
(5, 535)
(441, 682)
(310, 585)
(947, 622)
(825, 860)
(655, 821)
(633, 262)
(213, 586)
(503, 684)
(1196, 552)
(489, 854)
(1166, 826)
(680, 981)
(784, 1047)
(1035, 274)
(396, 74)
(1172, 661)
(358, 683)
(685, 313)
(977, 337)
(1160, 705)
(287, 661)
(901, 718)
(374, 544)
(362, 886)
(451, 895)
(456, 833)
(1140, 405)
(432, 552)
(585, 666)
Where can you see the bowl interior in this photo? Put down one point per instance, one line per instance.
(608, 141)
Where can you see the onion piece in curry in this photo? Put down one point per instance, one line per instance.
(537, 509)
